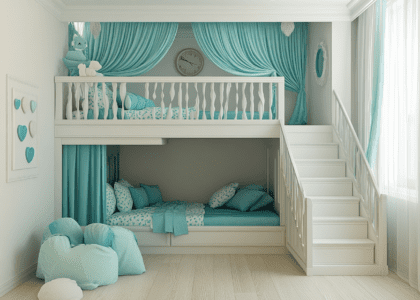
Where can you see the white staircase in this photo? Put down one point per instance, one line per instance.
(339, 232)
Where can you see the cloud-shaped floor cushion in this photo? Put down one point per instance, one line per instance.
(89, 265)
(60, 289)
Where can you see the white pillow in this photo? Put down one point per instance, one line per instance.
(223, 195)
(111, 202)
(60, 289)
(123, 195)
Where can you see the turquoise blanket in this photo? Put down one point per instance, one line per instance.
(170, 217)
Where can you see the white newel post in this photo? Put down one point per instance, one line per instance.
(114, 103)
(106, 101)
(123, 90)
(69, 102)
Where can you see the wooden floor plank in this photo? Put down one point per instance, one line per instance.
(203, 286)
(242, 278)
(222, 277)
(165, 279)
(183, 287)
(246, 296)
(263, 283)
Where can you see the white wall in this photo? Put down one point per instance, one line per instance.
(33, 43)
(193, 169)
(319, 97)
(166, 67)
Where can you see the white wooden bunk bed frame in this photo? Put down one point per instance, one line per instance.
(70, 130)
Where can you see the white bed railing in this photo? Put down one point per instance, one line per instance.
(222, 94)
(298, 206)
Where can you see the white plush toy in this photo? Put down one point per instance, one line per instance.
(91, 71)
(60, 289)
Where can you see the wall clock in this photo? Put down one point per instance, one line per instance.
(320, 67)
(189, 62)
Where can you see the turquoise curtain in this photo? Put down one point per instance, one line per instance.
(129, 49)
(378, 82)
(84, 183)
(259, 49)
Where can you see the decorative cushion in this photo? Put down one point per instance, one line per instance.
(223, 195)
(153, 193)
(244, 199)
(124, 182)
(135, 102)
(100, 234)
(60, 289)
(254, 187)
(264, 200)
(111, 202)
(83, 263)
(124, 200)
(67, 227)
(139, 196)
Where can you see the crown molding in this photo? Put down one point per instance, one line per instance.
(54, 7)
(357, 7)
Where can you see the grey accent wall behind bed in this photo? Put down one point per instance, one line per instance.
(193, 169)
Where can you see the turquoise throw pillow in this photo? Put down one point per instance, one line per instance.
(153, 193)
(100, 234)
(244, 199)
(264, 200)
(124, 199)
(254, 187)
(67, 227)
(139, 196)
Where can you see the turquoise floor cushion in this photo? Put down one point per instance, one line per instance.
(89, 265)
(122, 241)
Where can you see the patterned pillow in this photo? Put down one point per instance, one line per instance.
(111, 202)
(223, 195)
(124, 182)
(123, 195)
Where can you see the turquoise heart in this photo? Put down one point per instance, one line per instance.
(30, 152)
(22, 130)
(33, 106)
(17, 103)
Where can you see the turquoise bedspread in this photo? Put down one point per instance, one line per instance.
(231, 217)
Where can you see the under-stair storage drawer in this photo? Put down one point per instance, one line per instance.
(239, 236)
(146, 237)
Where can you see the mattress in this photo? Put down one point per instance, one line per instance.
(212, 217)
(147, 114)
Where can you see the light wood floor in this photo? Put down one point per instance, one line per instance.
(234, 277)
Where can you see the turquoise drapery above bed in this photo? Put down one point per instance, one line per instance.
(129, 49)
(84, 183)
(259, 49)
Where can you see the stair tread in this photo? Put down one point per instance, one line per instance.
(314, 145)
(342, 242)
(320, 160)
(326, 179)
(331, 198)
(308, 128)
(339, 219)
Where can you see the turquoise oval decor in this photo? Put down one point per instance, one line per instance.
(17, 103)
(33, 106)
(22, 130)
(30, 152)
(319, 63)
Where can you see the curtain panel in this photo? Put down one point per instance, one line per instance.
(259, 49)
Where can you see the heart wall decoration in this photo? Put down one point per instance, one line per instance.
(30, 153)
(33, 106)
(22, 130)
(287, 28)
(17, 103)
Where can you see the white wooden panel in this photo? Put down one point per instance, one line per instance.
(150, 239)
(340, 228)
(343, 252)
(214, 250)
(321, 168)
(335, 206)
(328, 187)
(315, 151)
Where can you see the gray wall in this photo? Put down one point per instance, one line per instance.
(193, 169)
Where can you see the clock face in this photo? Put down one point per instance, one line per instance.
(189, 62)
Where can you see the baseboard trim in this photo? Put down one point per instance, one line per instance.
(347, 270)
(213, 250)
(20, 278)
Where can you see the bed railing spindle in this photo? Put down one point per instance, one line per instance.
(180, 101)
(162, 104)
(270, 101)
(262, 101)
(106, 101)
(154, 98)
(222, 87)
(237, 101)
(123, 89)
(204, 101)
(197, 103)
(77, 96)
(244, 102)
(85, 104)
(227, 100)
(95, 103)
(251, 109)
(213, 100)
(146, 91)
(172, 95)
(114, 103)
(69, 115)
(186, 101)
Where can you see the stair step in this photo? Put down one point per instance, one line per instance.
(318, 168)
(343, 252)
(335, 206)
(327, 186)
(309, 134)
(339, 228)
(314, 151)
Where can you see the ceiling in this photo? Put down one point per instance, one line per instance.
(206, 10)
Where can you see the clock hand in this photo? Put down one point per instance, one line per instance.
(182, 58)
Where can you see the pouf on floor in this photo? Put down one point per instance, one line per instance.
(60, 289)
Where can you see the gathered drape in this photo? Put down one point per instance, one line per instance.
(129, 49)
(259, 49)
(84, 183)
